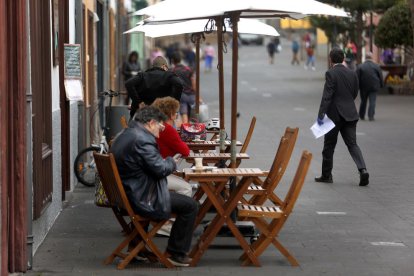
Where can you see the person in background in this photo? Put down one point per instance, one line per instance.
(131, 68)
(156, 82)
(139, 161)
(387, 56)
(339, 93)
(295, 51)
(209, 54)
(189, 56)
(156, 52)
(187, 75)
(311, 57)
(350, 55)
(370, 81)
(271, 49)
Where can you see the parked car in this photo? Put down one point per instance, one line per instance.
(247, 39)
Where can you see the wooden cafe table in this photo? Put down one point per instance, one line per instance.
(214, 157)
(198, 147)
(212, 182)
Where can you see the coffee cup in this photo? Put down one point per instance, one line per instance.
(198, 163)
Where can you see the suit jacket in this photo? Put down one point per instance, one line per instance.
(370, 77)
(339, 93)
(152, 84)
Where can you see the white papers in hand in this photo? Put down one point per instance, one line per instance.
(321, 130)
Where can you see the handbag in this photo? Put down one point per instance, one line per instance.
(189, 131)
(101, 199)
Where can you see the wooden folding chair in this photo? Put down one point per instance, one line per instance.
(278, 215)
(115, 192)
(263, 190)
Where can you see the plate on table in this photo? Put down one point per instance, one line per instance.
(197, 141)
(204, 169)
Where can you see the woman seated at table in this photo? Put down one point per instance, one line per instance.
(170, 144)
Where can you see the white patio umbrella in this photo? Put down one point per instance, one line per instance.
(176, 10)
(246, 26)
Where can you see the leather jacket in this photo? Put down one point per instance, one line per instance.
(140, 163)
(152, 84)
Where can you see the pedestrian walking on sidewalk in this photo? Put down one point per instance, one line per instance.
(311, 57)
(339, 93)
(370, 81)
(140, 163)
(295, 51)
(271, 49)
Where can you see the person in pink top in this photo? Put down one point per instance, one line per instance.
(170, 144)
(209, 54)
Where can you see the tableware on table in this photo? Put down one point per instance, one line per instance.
(198, 163)
(204, 168)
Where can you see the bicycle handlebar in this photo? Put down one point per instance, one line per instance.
(111, 93)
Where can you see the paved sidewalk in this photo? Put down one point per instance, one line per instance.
(335, 229)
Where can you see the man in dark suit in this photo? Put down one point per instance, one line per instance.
(339, 93)
(370, 81)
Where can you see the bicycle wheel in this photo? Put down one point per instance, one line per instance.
(84, 166)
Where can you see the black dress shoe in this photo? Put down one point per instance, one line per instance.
(324, 179)
(363, 177)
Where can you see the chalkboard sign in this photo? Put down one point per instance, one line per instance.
(73, 66)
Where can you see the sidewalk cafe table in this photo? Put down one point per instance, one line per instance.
(215, 157)
(212, 183)
(198, 147)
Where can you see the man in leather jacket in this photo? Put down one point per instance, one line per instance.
(140, 164)
(156, 82)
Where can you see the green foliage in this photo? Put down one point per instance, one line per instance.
(346, 26)
(394, 28)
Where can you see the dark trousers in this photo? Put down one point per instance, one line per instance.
(365, 97)
(181, 234)
(348, 133)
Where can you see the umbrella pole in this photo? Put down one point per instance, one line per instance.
(197, 62)
(219, 24)
(235, 57)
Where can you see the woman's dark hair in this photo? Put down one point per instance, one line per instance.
(148, 113)
(133, 53)
(336, 55)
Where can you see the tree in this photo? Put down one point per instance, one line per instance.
(394, 28)
(353, 27)
(412, 17)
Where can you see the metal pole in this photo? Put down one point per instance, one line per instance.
(219, 23)
(235, 58)
(197, 63)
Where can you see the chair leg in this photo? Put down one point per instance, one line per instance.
(292, 260)
(122, 245)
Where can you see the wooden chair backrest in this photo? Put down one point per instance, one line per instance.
(111, 181)
(279, 165)
(291, 134)
(248, 135)
(297, 183)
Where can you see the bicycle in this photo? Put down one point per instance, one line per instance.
(84, 165)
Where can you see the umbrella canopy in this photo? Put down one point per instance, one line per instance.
(171, 10)
(247, 26)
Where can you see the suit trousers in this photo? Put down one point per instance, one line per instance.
(366, 96)
(186, 209)
(348, 133)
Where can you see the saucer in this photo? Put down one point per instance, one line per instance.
(204, 169)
